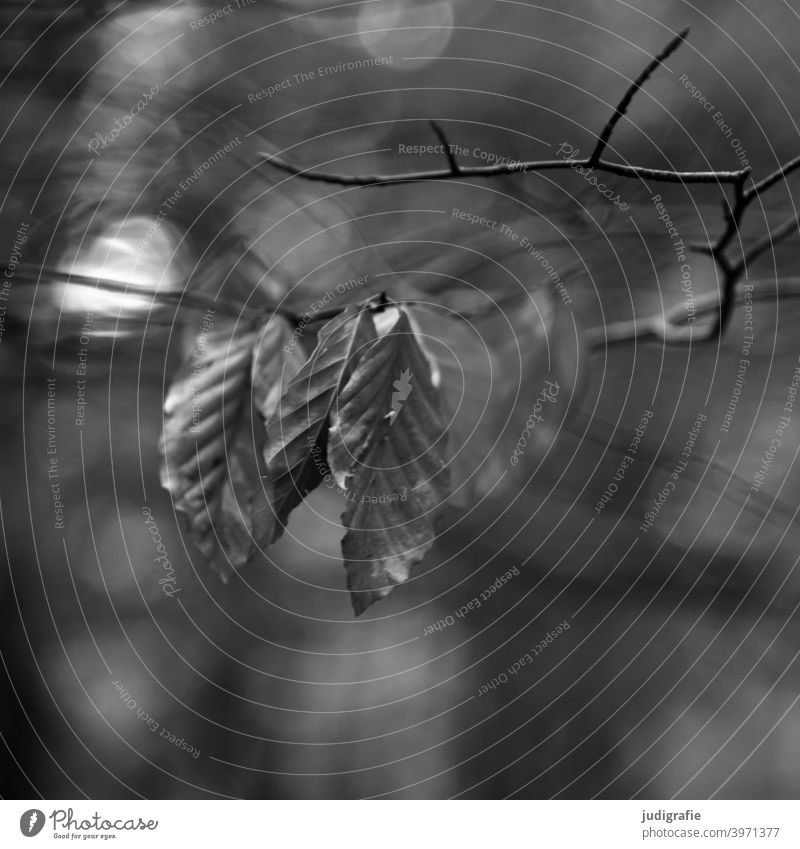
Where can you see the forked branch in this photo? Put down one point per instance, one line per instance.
(594, 160)
(670, 327)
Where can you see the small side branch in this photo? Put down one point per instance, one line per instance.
(666, 328)
(659, 175)
(622, 108)
(183, 297)
(49, 276)
(732, 269)
(774, 237)
(672, 326)
(595, 160)
(776, 177)
(661, 328)
(455, 170)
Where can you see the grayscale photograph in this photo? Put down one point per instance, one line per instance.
(400, 402)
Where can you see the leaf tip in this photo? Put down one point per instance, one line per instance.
(362, 600)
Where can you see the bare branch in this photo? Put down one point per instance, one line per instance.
(652, 327)
(671, 327)
(183, 298)
(732, 271)
(732, 214)
(170, 297)
(772, 238)
(772, 179)
(595, 161)
(662, 328)
(634, 88)
(659, 175)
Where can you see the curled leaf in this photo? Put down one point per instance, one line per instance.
(297, 432)
(208, 465)
(386, 450)
(277, 357)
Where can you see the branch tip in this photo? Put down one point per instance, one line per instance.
(733, 208)
(633, 89)
(455, 170)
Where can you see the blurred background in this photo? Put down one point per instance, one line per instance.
(678, 674)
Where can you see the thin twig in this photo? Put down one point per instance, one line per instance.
(732, 214)
(658, 175)
(455, 169)
(668, 328)
(778, 234)
(772, 179)
(595, 160)
(622, 108)
(650, 328)
(183, 298)
(661, 328)
(672, 326)
(731, 270)
(168, 297)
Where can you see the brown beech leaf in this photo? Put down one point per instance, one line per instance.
(277, 357)
(209, 460)
(386, 450)
(297, 432)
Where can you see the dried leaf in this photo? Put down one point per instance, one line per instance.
(208, 466)
(386, 450)
(277, 357)
(297, 433)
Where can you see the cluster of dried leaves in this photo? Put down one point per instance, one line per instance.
(362, 408)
